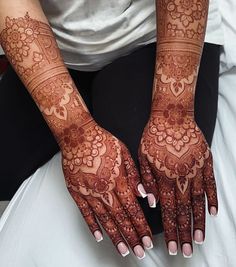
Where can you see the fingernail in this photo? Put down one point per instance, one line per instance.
(147, 242)
(123, 249)
(172, 246)
(187, 251)
(198, 237)
(139, 252)
(142, 191)
(98, 236)
(213, 211)
(152, 201)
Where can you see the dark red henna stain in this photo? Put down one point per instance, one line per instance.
(176, 161)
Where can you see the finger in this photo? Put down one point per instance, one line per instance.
(210, 186)
(88, 215)
(198, 208)
(125, 225)
(148, 180)
(184, 215)
(108, 224)
(133, 209)
(132, 172)
(168, 210)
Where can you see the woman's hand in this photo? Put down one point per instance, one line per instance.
(103, 180)
(177, 169)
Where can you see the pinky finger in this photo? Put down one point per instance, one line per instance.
(88, 215)
(210, 186)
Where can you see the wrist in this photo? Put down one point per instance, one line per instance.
(73, 133)
(166, 105)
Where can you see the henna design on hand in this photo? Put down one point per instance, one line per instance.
(100, 176)
(99, 171)
(175, 159)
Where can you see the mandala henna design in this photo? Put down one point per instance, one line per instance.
(99, 171)
(94, 169)
(176, 161)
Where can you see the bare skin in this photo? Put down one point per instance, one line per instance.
(176, 161)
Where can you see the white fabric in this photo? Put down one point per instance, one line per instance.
(43, 227)
(228, 11)
(214, 30)
(92, 34)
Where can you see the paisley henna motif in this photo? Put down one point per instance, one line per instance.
(178, 71)
(176, 161)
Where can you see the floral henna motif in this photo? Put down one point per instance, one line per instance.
(176, 161)
(32, 50)
(89, 154)
(54, 95)
(182, 19)
(94, 169)
(100, 174)
(177, 71)
(174, 143)
(30, 46)
(186, 11)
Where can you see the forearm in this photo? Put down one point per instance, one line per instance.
(29, 44)
(180, 37)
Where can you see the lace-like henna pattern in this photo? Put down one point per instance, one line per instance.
(99, 171)
(32, 50)
(182, 19)
(95, 171)
(176, 161)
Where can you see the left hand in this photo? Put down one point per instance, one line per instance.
(177, 169)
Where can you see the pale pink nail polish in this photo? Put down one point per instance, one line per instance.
(124, 251)
(139, 252)
(147, 242)
(142, 191)
(172, 246)
(213, 211)
(98, 236)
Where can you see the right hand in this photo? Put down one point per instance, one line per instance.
(102, 179)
